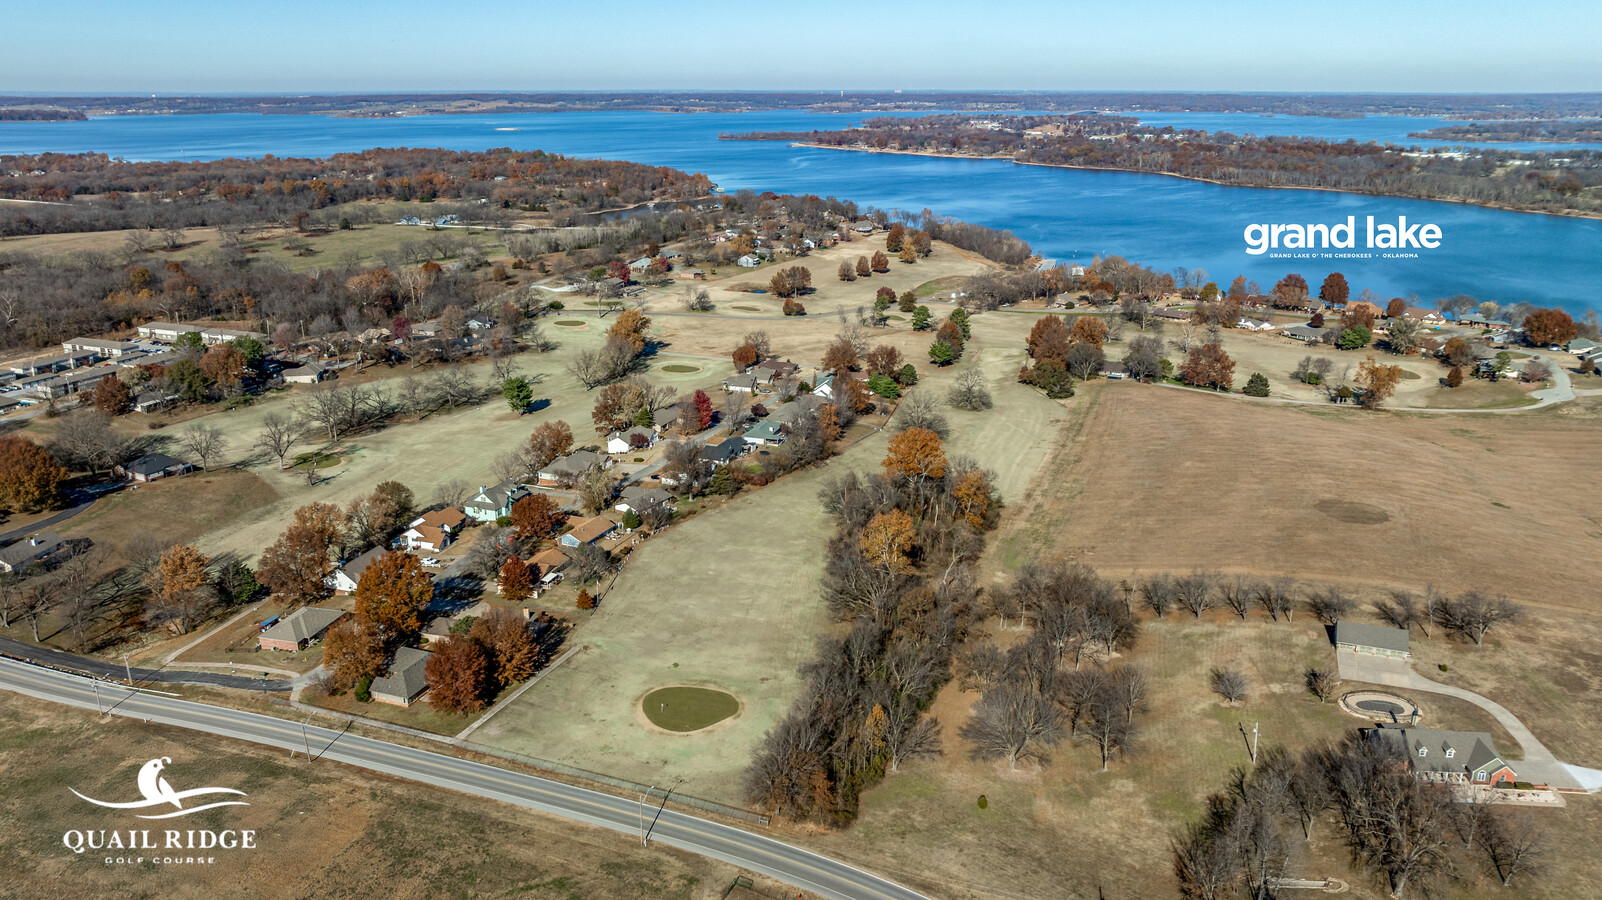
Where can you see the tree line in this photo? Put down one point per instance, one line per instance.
(899, 575)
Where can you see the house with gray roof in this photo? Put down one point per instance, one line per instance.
(624, 441)
(299, 628)
(764, 433)
(19, 555)
(1372, 640)
(154, 467)
(641, 500)
(1454, 757)
(407, 678)
(1303, 333)
(570, 468)
(796, 409)
(345, 578)
(490, 503)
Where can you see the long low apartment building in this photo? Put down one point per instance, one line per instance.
(170, 331)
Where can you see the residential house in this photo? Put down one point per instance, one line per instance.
(624, 441)
(1256, 325)
(1372, 640)
(1453, 757)
(434, 531)
(152, 401)
(749, 383)
(1170, 314)
(721, 453)
(298, 629)
(765, 433)
(407, 678)
(1303, 333)
(825, 386)
(102, 349)
(749, 261)
(641, 500)
(19, 555)
(664, 417)
(797, 409)
(548, 564)
(409, 220)
(309, 374)
(346, 577)
(568, 469)
(1428, 316)
(491, 503)
(1583, 346)
(153, 467)
(776, 369)
(587, 531)
(1114, 370)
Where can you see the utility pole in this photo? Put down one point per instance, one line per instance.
(306, 741)
(97, 699)
(128, 669)
(1254, 743)
(642, 814)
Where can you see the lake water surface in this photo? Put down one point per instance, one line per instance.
(1070, 215)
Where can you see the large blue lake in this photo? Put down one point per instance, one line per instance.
(1070, 215)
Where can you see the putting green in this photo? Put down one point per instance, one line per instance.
(568, 322)
(679, 367)
(688, 708)
(748, 308)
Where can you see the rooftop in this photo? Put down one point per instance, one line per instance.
(1371, 636)
(303, 624)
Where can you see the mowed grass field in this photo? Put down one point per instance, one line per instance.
(730, 600)
(323, 830)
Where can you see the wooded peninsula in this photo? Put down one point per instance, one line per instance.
(1570, 184)
(1555, 131)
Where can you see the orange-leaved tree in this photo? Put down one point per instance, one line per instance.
(392, 594)
(631, 325)
(352, 650)
(1208, 366)
(886, 540)
(458, 675)
(1048, 339)
(30, 480)
(916, 453)
(516, 582)
(535, 517)
(1088, 330)
(549, 440)
(1378, 382)
(513, 653)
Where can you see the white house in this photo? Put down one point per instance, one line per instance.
(825, 387)
(346, 577)
(491, 503)
(623, 441)
(434, 531)
(749, 261)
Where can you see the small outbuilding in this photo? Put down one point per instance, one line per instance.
(1372, 640)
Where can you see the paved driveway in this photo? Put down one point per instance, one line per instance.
(1539, 764)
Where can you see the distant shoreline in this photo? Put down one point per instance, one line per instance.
(1566, 214)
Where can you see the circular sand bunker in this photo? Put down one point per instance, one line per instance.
(684, 709)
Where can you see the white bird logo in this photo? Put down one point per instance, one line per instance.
(157, 792)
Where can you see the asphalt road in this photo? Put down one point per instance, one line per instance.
(118, 672)
(752, 852)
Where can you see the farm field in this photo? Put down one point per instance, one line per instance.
(1388, 500)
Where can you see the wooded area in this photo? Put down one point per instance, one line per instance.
(1538, 182)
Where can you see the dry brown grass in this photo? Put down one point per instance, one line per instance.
(1162, 480)
(324, 830)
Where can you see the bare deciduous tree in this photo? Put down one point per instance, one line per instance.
(278, 435)
(205, 443)
(1227, 683)
(1323, 682)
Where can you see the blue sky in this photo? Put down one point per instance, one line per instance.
(1235, 45)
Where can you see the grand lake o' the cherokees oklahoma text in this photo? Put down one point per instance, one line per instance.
(1262, 237)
